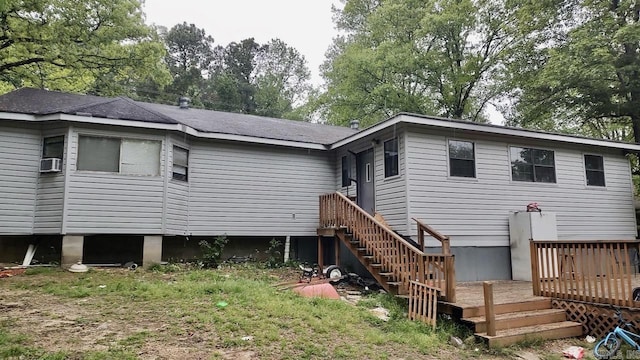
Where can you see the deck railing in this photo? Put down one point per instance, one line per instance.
(423, 302)
(590, 271)
(424, 228)
(395, 254)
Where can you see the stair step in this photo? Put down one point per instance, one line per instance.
(368, 257)
(535, 304)
(394, 283)
(558, 330)
(517, 319)
(376, 265)
(387, 274)
(362, 249)
(354, 242)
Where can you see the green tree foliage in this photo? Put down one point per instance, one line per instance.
(189, 58)
(94, 46)
(437, 57)
(268, 80)
(579, 68)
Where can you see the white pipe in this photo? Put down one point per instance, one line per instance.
(28, 257)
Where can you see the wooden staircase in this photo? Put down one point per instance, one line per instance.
(428, 282)
(529, 319)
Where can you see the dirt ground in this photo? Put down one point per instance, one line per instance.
(64, 324)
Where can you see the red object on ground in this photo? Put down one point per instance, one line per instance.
(318, 290)
(10, 272)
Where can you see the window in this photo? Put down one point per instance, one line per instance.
(594, 167)
(462, 159)
(180, 163)
(345, 172)
(125, 156)
(53, 147)
(534, 165)
(391, 157)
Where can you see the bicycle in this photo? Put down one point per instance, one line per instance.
(608, 346)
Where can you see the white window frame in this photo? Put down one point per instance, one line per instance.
(584, 165)
(120, 159)
(384, 157)
(177, 176)
(555, 167)
(475, 161)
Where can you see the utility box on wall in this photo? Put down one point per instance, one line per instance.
(523, 227)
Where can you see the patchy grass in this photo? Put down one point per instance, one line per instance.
(171, 312)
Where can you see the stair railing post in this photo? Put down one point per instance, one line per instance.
(421, 269)
(450, 278)
(446, 246)
(535, 268)
(489, 311)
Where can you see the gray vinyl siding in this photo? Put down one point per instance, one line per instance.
(474, 212)
(390, 193)
(110, 203)
(50, 192)
(255, 190)
(177, 198)
(20, 154)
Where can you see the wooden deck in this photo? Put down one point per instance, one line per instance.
(504, 292)
(517, 314)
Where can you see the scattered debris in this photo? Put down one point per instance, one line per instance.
(322, 290)
(130, 265)
(456, 341)
(590, 339)
(79, 267)
(527, 355)
(381, 313)
(5, 273)
(221, 304)
(247, 338)
(102, 286)
(573, 352)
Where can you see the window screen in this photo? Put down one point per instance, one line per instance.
(98, 154)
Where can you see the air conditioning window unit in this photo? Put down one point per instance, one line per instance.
(50, 165)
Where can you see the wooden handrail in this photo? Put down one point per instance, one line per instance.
(388, 248)
(444, 240)
(597, 271)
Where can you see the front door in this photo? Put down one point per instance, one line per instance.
(364, 178)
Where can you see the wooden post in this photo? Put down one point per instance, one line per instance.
(420, 237)
(535, 275)
(320, 252)
(446, 246)
(489, 312)
(336, 243)
(450, 266)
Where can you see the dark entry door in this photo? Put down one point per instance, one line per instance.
(364, 177)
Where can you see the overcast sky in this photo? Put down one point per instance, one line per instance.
(305, 25)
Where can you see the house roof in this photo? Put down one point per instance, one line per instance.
(490, 129)
(42, 102)
(42, 105)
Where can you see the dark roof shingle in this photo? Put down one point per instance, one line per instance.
(43, 102)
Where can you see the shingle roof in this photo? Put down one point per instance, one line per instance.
(43, 102)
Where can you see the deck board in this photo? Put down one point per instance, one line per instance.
(504, 292)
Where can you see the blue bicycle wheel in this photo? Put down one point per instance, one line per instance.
(606, 348)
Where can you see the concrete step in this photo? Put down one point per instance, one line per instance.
(557, 330)
(517, 319)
